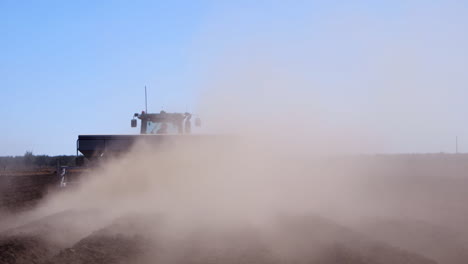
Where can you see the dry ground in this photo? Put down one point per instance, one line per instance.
(291, 238)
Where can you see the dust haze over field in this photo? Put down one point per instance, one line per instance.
(272, 184)
(283, 178)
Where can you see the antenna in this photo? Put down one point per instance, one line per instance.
(456, 145)
(146, 101)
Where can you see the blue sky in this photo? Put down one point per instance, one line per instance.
(80, 67)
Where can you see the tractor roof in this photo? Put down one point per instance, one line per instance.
(163, 116)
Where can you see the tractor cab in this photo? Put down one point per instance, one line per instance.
(164, 123)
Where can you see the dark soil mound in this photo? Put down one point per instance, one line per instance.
(99, 248)
(298, 239)
(24, 249)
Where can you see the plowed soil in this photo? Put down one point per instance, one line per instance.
(22, 190)
(305, 238)
(308, 239)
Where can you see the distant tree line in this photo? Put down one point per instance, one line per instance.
(31, 161)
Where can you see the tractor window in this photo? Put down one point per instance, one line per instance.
(161, 128)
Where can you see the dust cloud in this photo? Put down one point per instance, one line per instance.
(281, 170)
(269, 179)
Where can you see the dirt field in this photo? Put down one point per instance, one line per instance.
(124, 242)
(288, 238)
(23, 189)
